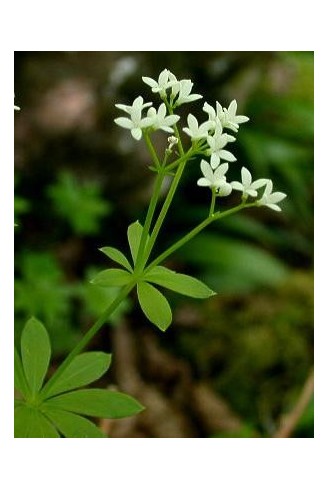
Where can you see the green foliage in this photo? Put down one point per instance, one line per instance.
(50, 409)
(79, 203)
(134, 237)
(117, 256)
(231, 265)
(154, 305)
(180, 283)
(112, 277)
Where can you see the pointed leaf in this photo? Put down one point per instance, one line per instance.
(181, 283)
(72, 425)
(84, 369)
(30, 422)
(96, 403)
(36, 351)
(112, 277)
(154, 305)
(20, 382)
(134, 237)
(117, 256)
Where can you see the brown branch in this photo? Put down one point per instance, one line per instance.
(289, 421)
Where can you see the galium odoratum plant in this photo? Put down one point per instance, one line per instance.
(208, 141)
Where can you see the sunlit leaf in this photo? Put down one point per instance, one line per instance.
(180, 283)
(72, 425)
(96, 403)
(30, 422)
(154, 305)
(20, 382)
(134, 237)
(117, 256)
(112, 277)
(84, 369)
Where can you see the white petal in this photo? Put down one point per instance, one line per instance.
(221, 170)
(226, 155)
(232, 109)
(237, 185)
(215, 160)
(275, 207)
(277, 197)
(192, 123)
(259, 183)
(124, 122)
(241, 119)
(136, 133)
(246, 177)
(203, 182)
(170, 120)
(150, 81)
(225, 189)
(207, 170)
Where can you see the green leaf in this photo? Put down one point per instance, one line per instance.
(20, 382)
(117, 256)
(112, 277)
(72, 425)
(96, 403)
(154, 305)
(134, 237)
(181, 283)
(84, 369)
(30, 422)
(36, 351)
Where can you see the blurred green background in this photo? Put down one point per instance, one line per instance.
(230, 366)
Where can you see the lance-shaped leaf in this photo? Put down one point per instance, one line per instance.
(117, 256)
(112, 277)
(30, 422)
(180, 283)
(154, 305)
(71, 425)
(84, 369)
(134, 238)
(20, 382)
(96, 403)
(36, 351)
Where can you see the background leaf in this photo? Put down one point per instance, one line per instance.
(72, 425)
(29, 422)
(112, 277)
(84, 369)
(154, 305)
(96, 403)
(180, 283)
(36, 351)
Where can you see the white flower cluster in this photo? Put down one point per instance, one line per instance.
(208, 138)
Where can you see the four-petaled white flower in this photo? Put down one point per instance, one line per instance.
(182, 89)
(270, 198)
(227, 117)
(136, 123)
(215, 179)
(165, 80)
(216, 143)
(246, 186)
(195, 131)
(159, 120)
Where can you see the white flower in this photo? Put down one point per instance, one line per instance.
(172, 141)
(159, 120)
(246, 186)
(216, 144)
(227, 117)
(165, 80)
(183, 89)
(270, 198)
(195, 131)
(215, 179)
(136, 123)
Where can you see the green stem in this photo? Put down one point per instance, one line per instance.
(212, 202)
(195, 231)
(88, 336)
(152, 150)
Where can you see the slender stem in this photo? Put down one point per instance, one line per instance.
(88, 336)
(152, 150)
(195, 231)
(164, 210)
(212, 202)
